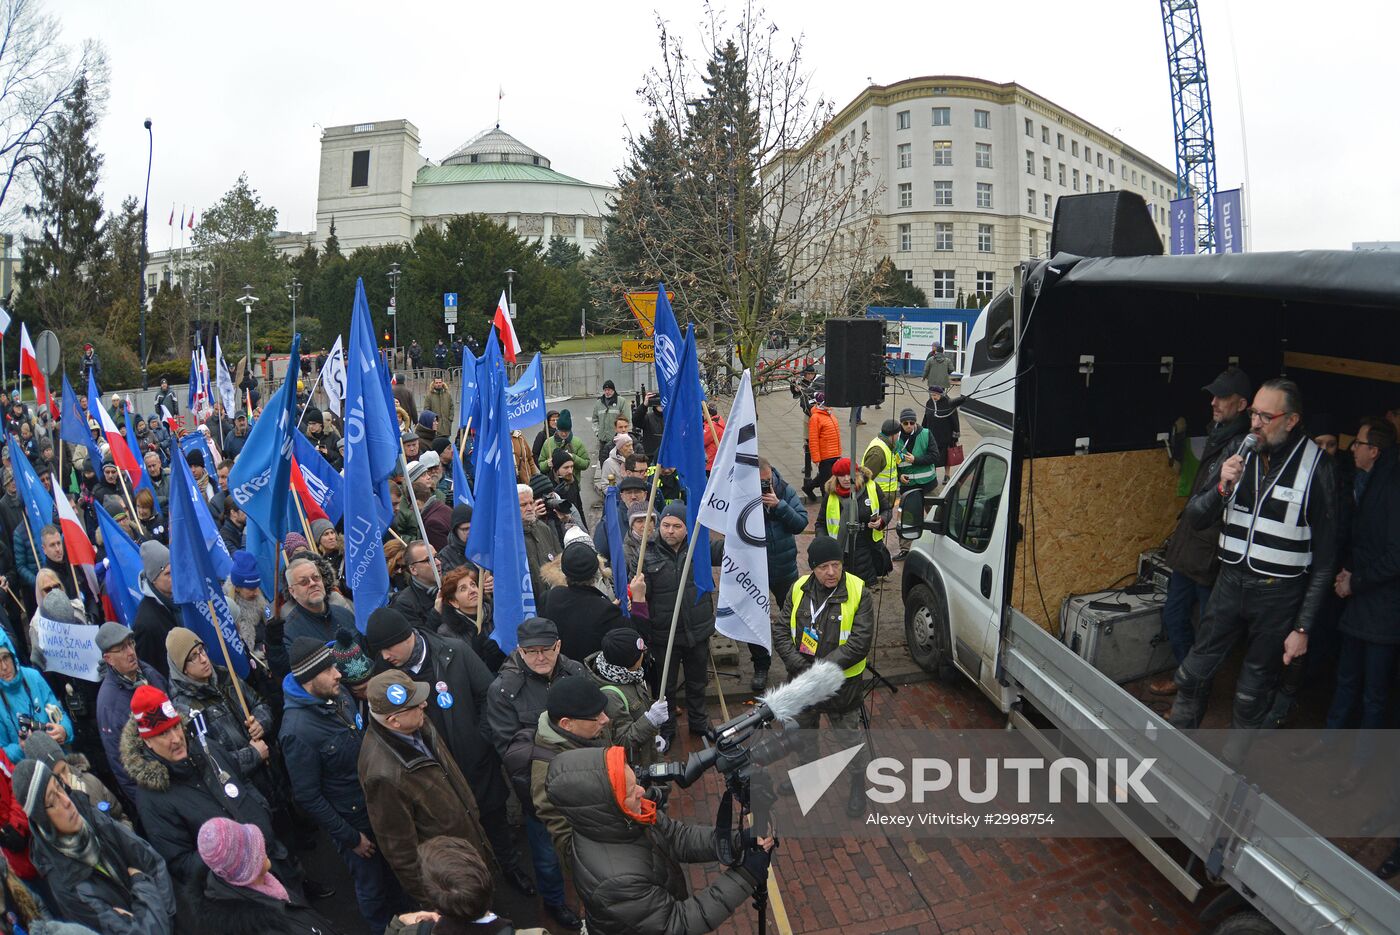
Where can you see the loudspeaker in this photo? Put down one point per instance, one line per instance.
(1104, 224)
(855, 362)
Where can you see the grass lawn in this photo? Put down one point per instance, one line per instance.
(595, 343)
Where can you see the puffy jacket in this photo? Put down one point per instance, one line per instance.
(627, 706)
(24, 555)
(629, 875)
(782, 523)
(823, 435)
(605, 413)
(223, 718)
(113, 712)
(442, 404)
(1373, 610)
(575, 448)
(1191, 551)
(712, 440)
(938, 369)
(85, 896)
(551, 740)
(321, 746)
(12, 816)
(26, 693)
(225, 909)
(583, 614)
(518, 695)
(662, 568)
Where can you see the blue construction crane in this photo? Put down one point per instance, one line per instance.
(1195, 133)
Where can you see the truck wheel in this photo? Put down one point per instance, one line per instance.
(1246, 923)
(927, 632)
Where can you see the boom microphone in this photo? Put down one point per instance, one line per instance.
(819, 683)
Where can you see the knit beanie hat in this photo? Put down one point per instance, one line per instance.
(355, 667)
(319, 527)
(234, 852)
(842, 467)
(559, 458)
(57, 607)
(309, 658)
(675, 508)
(386, 628)
(461, 513)
(427, 418)
(114, 506)
(623, 647)
(29, 783)
(294, 543)
(636, 510)
(179, 643)
(908, 415)
(822, 550)
(441, 444)
(542, 486)
(580, 562)
(566, 421)
(194, 458)
(153, 712)
(311, 415)
(575, 696)
(40, 746)
(622, 438)
(890, 427)
(155, 558)
(244, 573)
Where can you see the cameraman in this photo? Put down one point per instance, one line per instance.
(627, 857)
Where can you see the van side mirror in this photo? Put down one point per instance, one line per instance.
(911, 515)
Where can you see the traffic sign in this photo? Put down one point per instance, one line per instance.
(643, 306)
(451, 329)
(449, 301)
(637, 352)
(391, 305)
(46, 350)
(449, 315)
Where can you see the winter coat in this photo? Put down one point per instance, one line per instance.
(627, 705)
(629, 875)
(404, 397)
(170, 400)
(225, 909)
(869, 564)
(583, 614)
(572, 445)
(605, 413)
(322, 626)
(89, 897)
(459, 626)
(518, 696)
(782, 524)
(232, 534)
(113, 712)
(652, 422)
(941, 419)
(437, 522)
(712, 440)
(24, 556)
(12, 817)
(321, 746)
(938, 369)
(829, 645)
(175, 800)
(1191, 551)
(26, 693)
(1373, 610)
(551, 740)
(662, 568)
(156, 616)
(223, 718)
(541, 547)
(614, 466)
(418, 604)
(413, 797)
(823, 435)
(452, 555)
(442, 404)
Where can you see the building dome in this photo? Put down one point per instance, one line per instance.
(494, 145)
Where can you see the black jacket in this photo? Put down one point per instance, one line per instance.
(322, 626)
(1373, 610)
(942, 421)
(416, 603)
(1191, 551)
(662, 568)
(232, 534)
(582, 615)
(517, 697)
(321, 746)
(225, 909)
(458, 626)
(452, 555)
(223, 718)
(156, 616)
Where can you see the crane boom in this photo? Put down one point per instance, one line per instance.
(1195, 133)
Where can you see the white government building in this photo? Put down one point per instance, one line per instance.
(964, 175)
(377, 188)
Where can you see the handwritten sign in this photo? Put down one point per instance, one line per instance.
(69, 649)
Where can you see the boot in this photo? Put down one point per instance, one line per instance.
(855, 799)
(760, 680)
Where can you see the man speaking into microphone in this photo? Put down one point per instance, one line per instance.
(1277, 550)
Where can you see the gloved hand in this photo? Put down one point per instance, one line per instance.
(661, 745)
(658, 713)
(11, 839)
(755, 864)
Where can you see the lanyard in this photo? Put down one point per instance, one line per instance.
(815, 610)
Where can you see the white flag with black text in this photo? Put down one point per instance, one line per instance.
(333, 375)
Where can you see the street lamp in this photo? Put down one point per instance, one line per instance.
(510, 293)
(394, 274)
(247, 300)
(294, 290)
(141, 290)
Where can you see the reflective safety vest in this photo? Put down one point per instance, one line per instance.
(1268, 530)
(888, 479)
(833, 511)
(854, 589)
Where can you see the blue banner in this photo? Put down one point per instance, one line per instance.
(666, 343)
(611, 524)
(1183, 215)
(525, 399)
(144, 481)
(466, 400)
(323, 481)
(461, 490)
(32, 491)
(73, 428)
(1229, 221)
(683, 447)
(261, 479)
(123, 558)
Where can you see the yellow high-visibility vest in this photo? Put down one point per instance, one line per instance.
(888, 478)
(833, 512)
(854, 589)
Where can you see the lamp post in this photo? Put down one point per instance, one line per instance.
(141, 290)
(247, 300)
(394, 274)
(510, 292)
(294, 290)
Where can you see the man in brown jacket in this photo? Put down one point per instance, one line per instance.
(413, 788)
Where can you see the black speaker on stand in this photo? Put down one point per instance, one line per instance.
(855, 376)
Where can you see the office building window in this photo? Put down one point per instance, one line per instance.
(1030, 201)
(1135, 181)
(1030, 243)
(1062, 173)
(1045, 167)
(908, 276)
(984, 238)
(986, 282)
(1088, 182)
(864, 129)
(1087, 157)
(944, 284)
(1075, 173)
(1110, 165)
(901, 120)
(984, 194)
(906, 194)
(942, 117)
(1030, 128)
(359, 168)
(906, 238)
(1100, 184)
(984, 155)
(1044, 133)
(1100, 159)
(943, 194)
(1060, 141)
(942, 235)
(982, 119)
(1074, 148)
(1047, 205)
(1030, 162)
(904, 155)
(943, 152)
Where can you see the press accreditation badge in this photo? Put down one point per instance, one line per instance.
(808, 645)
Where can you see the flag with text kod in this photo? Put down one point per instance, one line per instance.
(38, 504)
(1229, 221)
(733, 505)
(73, 427)
(1183, 222)
(227, 394)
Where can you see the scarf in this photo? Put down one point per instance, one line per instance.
(82, 845)
(615, 673)
(616, 762)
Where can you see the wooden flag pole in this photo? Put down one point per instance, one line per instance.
(130, 501)
(305, 526)
(228, 660)
(466, 434)
(646, 523)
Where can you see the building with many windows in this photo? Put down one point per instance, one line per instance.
(964, 175)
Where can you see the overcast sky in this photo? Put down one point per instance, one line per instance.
(241, 87)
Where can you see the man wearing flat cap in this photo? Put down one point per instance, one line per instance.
(413, 788)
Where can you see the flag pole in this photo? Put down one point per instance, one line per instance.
(228, 660)
(417, 514)
(646, 523)
(309, 396)
(676, 611)
(480, 597)
(466, 434)
(130, 501)
(305, 526)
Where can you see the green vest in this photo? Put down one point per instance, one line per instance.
(888, 479)
(920, 474)
(854, 588)
(833, 512)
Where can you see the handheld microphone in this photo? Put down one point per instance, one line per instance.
(1247, 448)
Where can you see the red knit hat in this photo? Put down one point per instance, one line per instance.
(841, 468)
(153, 712)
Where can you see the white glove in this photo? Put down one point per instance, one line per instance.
(661, 744)
(658, 713)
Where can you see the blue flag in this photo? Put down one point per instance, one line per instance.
(496, 540)
(261, 479)
(461, 490)
(525, 399)
(466, 401)
(144, 482)
(324, 482)
(33, 492)
(371, 452)
(611, 509)
(200, 563)
(195, 441)
(667, 345)
(74, 429)
(123, 566)
(683, 447)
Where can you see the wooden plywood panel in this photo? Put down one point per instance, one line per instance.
(1092, 516)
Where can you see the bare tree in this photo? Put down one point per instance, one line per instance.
(38, 73)
(765, 226)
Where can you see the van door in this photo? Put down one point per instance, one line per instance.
(970, 557)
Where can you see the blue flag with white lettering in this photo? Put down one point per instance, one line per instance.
(461, 490)
(200, 564)
(612, 507)
(683, 447)
(261, 479)
(33, 492)
(123, 556)
(324, 482)
(144, 482)
(466, 400)
(666, 343)
(74, 428)
(525, 398)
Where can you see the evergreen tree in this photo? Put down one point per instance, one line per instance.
(58, 279)
(332, 247)
(119, 284)
(233, 248)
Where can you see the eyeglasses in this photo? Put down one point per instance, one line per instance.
(1266, 418)
(1354, 443)
(420, 561)
(197, 653)
(536, 650)
(305, 582)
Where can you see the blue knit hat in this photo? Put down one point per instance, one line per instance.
(245, 570)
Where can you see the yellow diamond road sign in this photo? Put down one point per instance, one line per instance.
(643, 306)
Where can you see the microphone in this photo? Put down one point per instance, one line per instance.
(1247, 448)
(822, 681)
